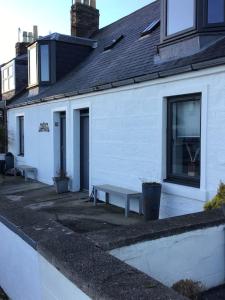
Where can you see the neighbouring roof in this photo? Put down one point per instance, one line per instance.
(68, 39)
(131, 60)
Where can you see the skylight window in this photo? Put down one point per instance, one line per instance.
(150, 27)
(114, 42)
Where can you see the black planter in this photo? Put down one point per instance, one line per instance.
(151, 200)
(9, 161)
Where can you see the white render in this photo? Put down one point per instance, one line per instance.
(128, 137)
(25, 274)
(195, 255)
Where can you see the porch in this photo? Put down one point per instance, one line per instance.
(73, 210)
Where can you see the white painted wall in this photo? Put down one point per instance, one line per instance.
(198, 255)
(128, 137)
(25, 274)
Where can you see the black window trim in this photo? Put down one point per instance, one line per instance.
(176, 179)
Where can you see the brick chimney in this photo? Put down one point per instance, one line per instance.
(84, 18)
(21, 48)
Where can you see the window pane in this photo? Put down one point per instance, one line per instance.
(11, 83)
(185, 138)
(215, 11)
(10, 70)
(5, 74)
(180, 15)
(33, 66)
(44, 62)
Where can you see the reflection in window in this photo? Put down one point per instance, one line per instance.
(33, 66)
(8, 80)
(184, 149)
(180, 15)
(215, 11)
(44, 50)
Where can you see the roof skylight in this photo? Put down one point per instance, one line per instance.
(114, 42)
(151, 27)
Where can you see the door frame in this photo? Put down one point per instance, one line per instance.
(56, 138)
(75, 137)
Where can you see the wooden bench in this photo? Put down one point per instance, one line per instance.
(126, 194)
(26, 170)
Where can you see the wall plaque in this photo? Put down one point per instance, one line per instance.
(44, 127)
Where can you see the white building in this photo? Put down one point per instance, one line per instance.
(138, 99)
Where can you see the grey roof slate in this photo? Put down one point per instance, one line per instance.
(130, 61)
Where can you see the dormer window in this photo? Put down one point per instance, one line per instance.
(39, 67)
(8, 78)
(180, 15)
(184, 18)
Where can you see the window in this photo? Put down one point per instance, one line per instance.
(180, 15)
(8, 79)
(21, 135)
(44, 55)
(184, 140)
(33, 66)
(216, 11)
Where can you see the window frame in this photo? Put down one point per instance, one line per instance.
(21, 136)
(170, 177)
(40, 63)
(29, 65)
(181, 32)
(6, 67)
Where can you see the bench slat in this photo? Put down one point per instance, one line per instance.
(115, 189)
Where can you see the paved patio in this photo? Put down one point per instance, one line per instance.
(73, 210)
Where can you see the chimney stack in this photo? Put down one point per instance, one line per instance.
(84, 18)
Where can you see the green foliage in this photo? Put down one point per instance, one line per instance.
(218, 201)
(188, 288)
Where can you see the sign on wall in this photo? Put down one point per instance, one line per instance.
(44, 127)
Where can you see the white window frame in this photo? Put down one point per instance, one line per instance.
(30, 48)
(5, 81)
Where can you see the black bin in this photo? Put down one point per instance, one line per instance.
(151, 192)
(9, 161)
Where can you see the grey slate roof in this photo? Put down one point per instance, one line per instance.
(130, 61)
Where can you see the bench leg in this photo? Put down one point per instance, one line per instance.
(25, 175)
(127, 206)
(140, 205)
(107, 198)
(95, 196)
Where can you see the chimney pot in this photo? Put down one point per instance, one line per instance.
(35, 32)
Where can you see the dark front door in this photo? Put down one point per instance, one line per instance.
(84, 149)
(63, 142)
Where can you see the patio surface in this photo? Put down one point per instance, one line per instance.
(73, 210)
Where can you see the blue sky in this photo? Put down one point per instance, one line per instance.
(51, 16)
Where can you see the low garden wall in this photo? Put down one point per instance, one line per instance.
(196, 255)
(25, 274)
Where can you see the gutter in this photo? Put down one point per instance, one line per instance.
(134, 80)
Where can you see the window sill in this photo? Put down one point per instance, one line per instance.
(184, 191)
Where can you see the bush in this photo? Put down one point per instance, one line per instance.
(188, 288)
(218, 201)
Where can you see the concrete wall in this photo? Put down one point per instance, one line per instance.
(197, 255)
(25, 274)
(128, 137)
